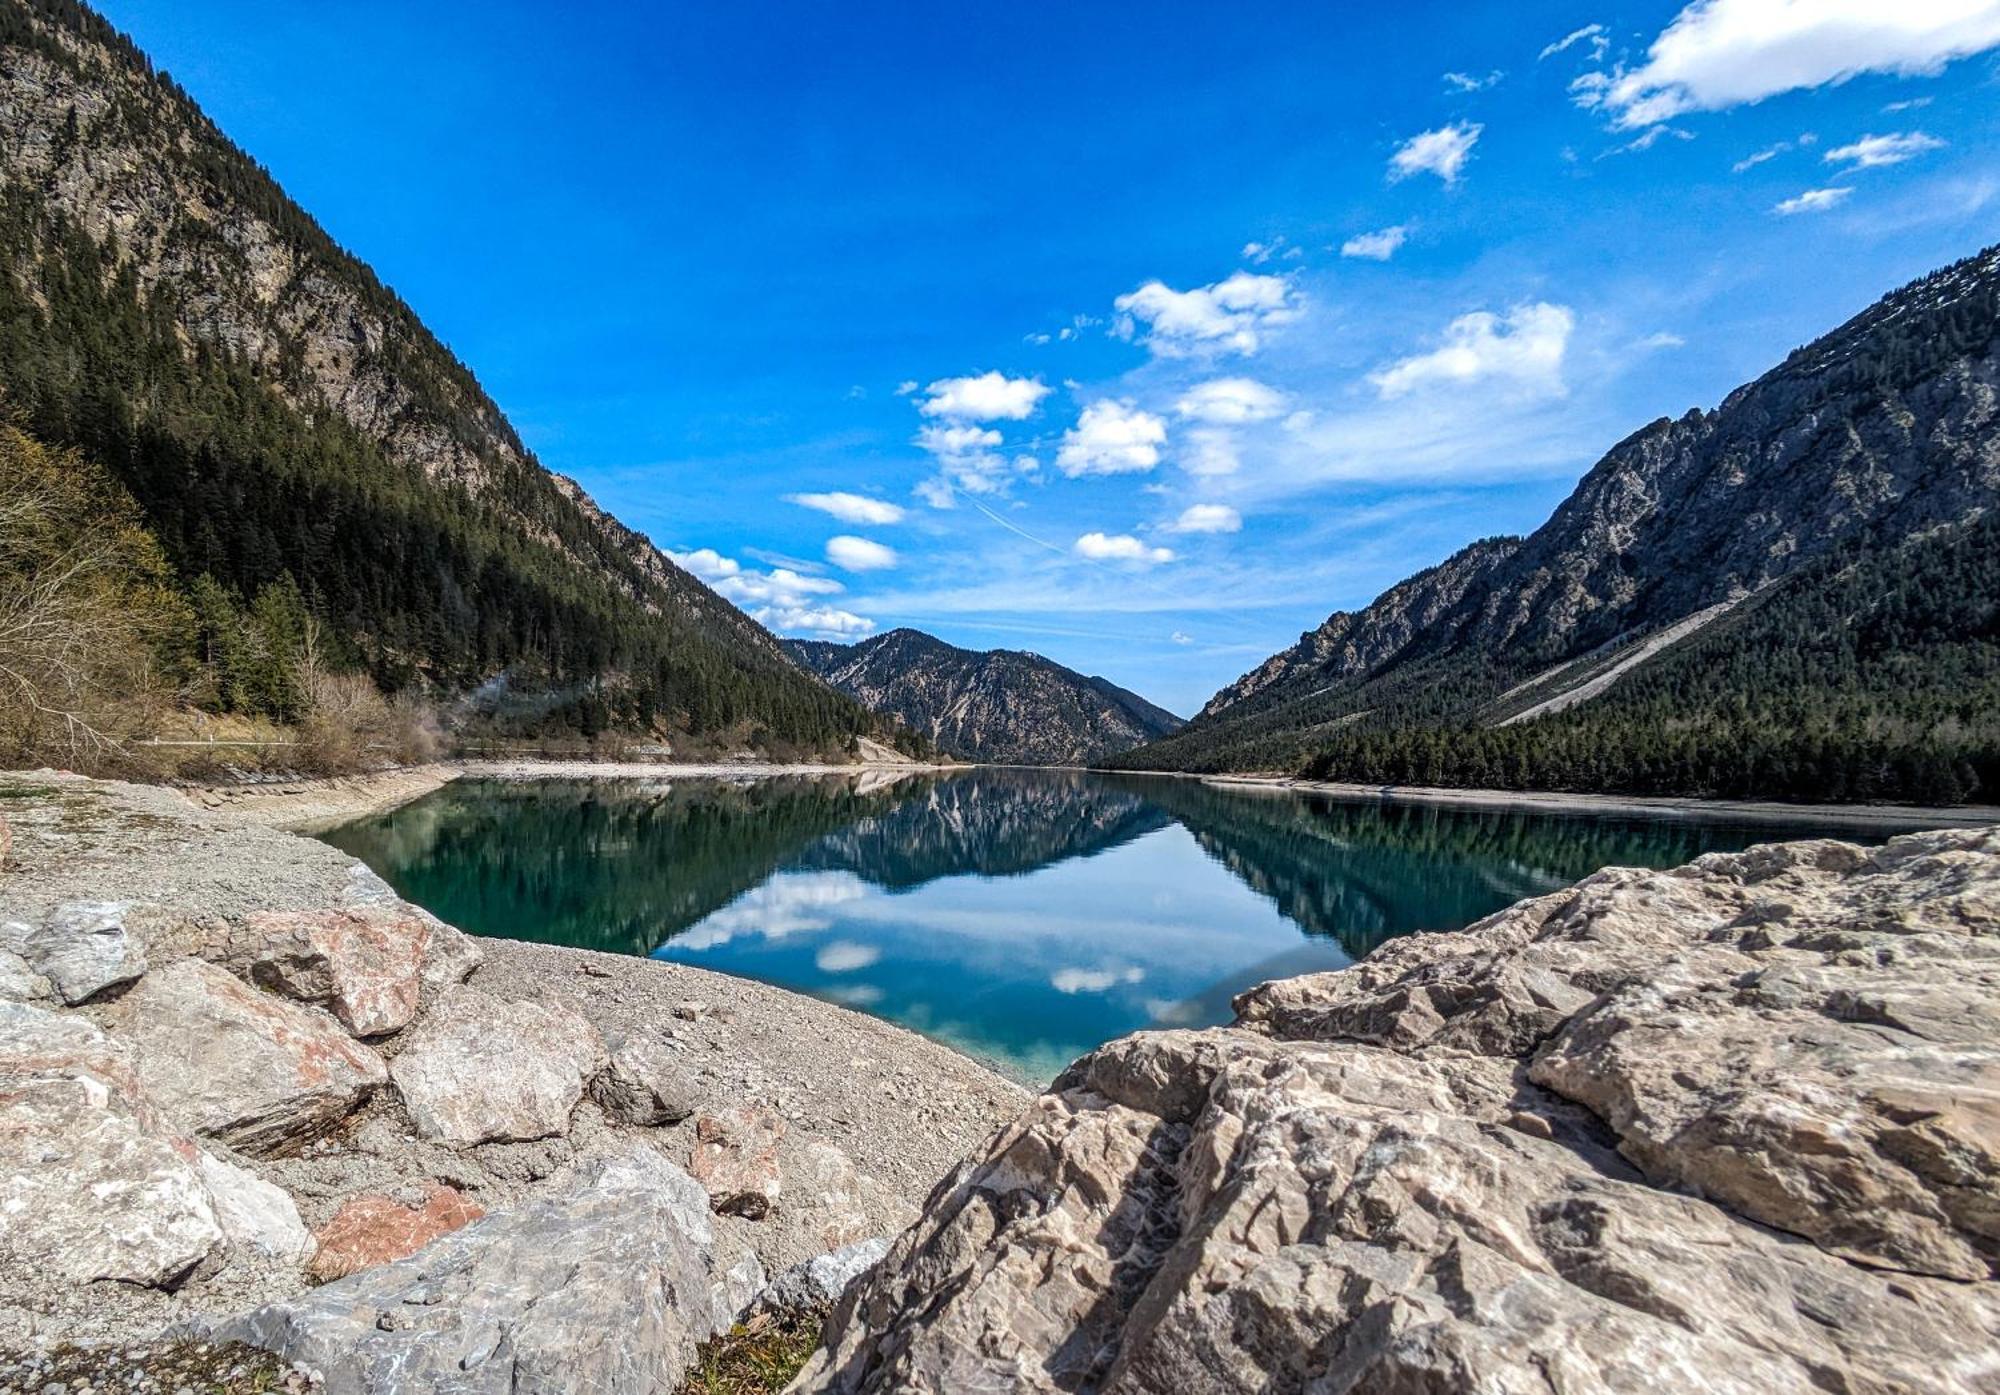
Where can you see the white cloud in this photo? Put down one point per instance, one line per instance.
(983, 397)
(859, 554)
(845, 956)
(1120, 547)
(1723, 53)
(1442, 152)
(1208, 518)
(1908, 104)
(1209, 452)
(1769, 152)
(968, 458)
(1467, 82)
(1376, 246)
(1593, 32)
(1664, 339)
(1230, 401)
(1526, 346)
(1813, 201)
(791, 903)
(1872, 151)
(906, 387)
(850, 508)
(1258, 253)
(782, 599)
(1231, 315)
(1112, 437)
(1093, 980)
(1651, 137)
(1181, 637)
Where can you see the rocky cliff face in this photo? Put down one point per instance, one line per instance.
(1001, 705)
(1730, 1127)
(1884, 430)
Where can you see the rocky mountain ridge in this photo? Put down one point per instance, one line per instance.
(1000, 705)
(166, 309)
(1883, 434)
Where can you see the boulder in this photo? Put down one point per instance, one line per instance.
(364, 964)
(1728, 1127)
(228, 1062)
(823, 1280)
(373, 1229)
(258, 1217)
(736, 1159)
(480, 1068)
(81, 948)
(822, 1194)
(450, 958)
(92, 1184)
(609, 1288)
(19, 983)
(644, 1083)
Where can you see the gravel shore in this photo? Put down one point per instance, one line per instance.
(901, 1108)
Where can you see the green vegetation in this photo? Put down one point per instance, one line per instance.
(758, 1357)
(1870, 675)
(186, 378)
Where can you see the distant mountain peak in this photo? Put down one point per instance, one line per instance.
(997, 705)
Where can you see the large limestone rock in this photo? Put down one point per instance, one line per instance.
(480, 1068)
(226, 1061)
(92, 1184)
(608, 1289)
(364, 964)
(1727, 1128)
(82, 948)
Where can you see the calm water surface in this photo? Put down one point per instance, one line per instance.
(1022, 916)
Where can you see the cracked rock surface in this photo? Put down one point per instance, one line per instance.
(1730, 1127)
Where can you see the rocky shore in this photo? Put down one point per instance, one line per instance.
(247, 1095)
(1733, 1127)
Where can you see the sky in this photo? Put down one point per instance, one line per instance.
(1139, 336)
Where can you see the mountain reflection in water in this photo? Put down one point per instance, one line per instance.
(1025, 916)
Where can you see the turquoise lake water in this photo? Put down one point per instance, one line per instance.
(1022, 916)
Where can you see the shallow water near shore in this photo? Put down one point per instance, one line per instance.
(1021, 916)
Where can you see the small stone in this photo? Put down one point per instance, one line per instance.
(691, 1010)
(736, 1160)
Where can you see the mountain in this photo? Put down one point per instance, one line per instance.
(1796, 594)
(282, 418)
(1002, 705)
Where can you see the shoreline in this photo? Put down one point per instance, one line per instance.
(871, 1114)
(1909, 816)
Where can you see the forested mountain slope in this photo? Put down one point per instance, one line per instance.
(282, 417)
(1793, 595)
(999, 705)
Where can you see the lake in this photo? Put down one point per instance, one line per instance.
(1021, 916)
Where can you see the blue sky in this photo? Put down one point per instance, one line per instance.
(1140, 336)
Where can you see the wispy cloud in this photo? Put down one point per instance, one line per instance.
(1471, 82)
(1230, 401)
(1442, 152)
(1813, 201)
(850, 508)
(1376, 246)
(1208, 518)
(783, 599)
(1525, 345)
(1870, 152)
(1593, 34)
